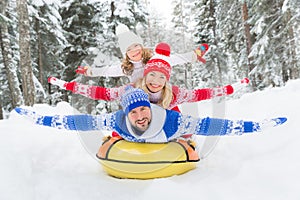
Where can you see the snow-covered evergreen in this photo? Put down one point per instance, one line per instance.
(65, 34)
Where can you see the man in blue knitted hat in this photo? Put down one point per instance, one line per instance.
(136, 105)
(141, 121)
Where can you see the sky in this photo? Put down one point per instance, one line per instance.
(163, 8)
(39, 162)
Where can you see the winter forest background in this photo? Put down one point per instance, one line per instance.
(258, 39)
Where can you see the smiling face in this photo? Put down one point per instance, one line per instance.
(135, 52)
(155, 81)
(140, 117)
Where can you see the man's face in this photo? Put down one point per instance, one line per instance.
(140, 117)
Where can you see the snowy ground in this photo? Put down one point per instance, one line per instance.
(44, 163)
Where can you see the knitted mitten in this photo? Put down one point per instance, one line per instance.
(58, 121)
(229, 89)
(200, 51)
(240, 84)
(31, 115)
(61, 83)
(221, 91)
(268, 123)
(81, 69)
(85, 70)
(240, 127)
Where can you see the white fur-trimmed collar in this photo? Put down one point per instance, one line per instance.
(154, 97)
(137, 64)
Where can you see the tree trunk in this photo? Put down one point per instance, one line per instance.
(247, 33)
(294, 71)
(40, 98)
(13, 82)
(149, 27)
(25, 55)
(248, 39)
(212, 10)
(1, 110)
(40, 52)
(182, 26)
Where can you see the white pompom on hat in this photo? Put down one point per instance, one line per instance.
(126, 38)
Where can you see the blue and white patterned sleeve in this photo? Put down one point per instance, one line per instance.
(213, 126)
(81, 122)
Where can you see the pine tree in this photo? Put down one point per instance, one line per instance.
(233, 40)
(25, 53)
(49, 36)
(79, 27)
(273, 28)
(179, 23)
(50, 41)
(8, 62)
(291, 69)
(206, 32)
(181, 40)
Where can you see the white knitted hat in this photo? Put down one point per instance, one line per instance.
(126, 38)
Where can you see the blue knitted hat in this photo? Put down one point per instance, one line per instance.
(133, 98)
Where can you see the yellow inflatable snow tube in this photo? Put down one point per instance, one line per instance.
(123, 159)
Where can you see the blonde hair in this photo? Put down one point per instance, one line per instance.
(166, 95)
(128, 66)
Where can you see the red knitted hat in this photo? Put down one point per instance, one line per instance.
(160, 60)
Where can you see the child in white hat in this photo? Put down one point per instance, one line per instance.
(135, 58)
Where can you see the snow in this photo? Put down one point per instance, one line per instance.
(38, 162)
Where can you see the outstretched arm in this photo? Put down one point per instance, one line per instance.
(182, 95)
(110, 71)
(90, 91)
(82, 122)
(209, 93)
(190, 57)
(213, 126)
